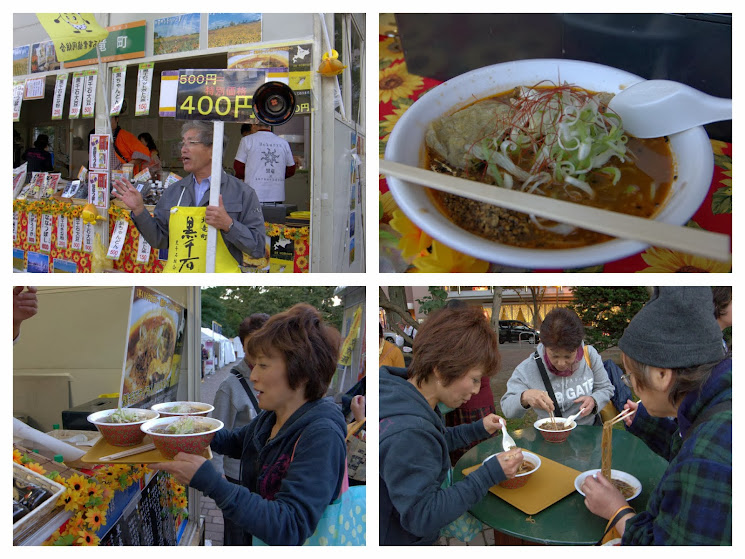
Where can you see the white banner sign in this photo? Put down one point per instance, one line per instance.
(77, 233)
(16, 217)
(76, 94)
(89, 93)
(62, 231)
(118, 237)
(143, 251)
(118, 78)
(45, 244)
(144, 88)
(17, 100)
(33, 219)
(88, 237)
(58, 103)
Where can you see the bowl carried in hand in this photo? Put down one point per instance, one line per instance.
(191, 443)
(167, 409)
(121, 434)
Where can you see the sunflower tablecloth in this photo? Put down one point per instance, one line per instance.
(405, 248)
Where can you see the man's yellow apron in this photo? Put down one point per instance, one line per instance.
(187, 243)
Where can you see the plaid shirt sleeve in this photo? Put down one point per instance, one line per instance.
(660, 434)
(692, 504)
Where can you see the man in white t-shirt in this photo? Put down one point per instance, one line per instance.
(264, 161)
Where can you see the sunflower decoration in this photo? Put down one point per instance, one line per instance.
(87, 538)
(661, 260)
(443, 259)
(395, 83)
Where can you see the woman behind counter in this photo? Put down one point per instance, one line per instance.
(575, 383)
(453, 349)
(293, 454)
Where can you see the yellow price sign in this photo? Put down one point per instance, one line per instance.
(225, 95)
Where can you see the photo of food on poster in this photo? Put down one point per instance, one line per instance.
(152, 357)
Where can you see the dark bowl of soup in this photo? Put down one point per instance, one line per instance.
(463, 126)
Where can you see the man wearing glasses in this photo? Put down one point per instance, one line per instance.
(238, 216)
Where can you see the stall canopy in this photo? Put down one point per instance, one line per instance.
(223, 351)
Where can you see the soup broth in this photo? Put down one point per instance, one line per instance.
(476, 141)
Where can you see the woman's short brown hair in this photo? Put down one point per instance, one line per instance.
(722, 299)
(309, 347)
(454, 341)
(562, 329)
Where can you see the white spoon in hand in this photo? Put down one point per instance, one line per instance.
(656, 108)
(568, 420)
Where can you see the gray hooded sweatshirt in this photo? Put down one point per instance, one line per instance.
(585, 381)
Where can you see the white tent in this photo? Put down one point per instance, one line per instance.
(222, 352)
(238, 348)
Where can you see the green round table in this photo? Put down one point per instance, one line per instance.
(566, 522)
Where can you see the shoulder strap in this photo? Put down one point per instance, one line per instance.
(587, 356)
(713, 410)
(251, 395)
(547, 383)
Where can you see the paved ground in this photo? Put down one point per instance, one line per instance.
(511, 354)
(213, 525)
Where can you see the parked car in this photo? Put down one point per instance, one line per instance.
(517, 331)
(394, 338)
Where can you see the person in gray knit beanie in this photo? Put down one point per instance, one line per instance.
(676, 365)
(675, 329)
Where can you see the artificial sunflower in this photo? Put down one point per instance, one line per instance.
(34, 467)
(444, 259)
(17, 456)
(413, 240)
(389, 49)
(94, 519)
(87, 538)
(395, 82)
(666, 260)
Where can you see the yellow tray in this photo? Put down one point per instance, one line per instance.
(551, 483)
(102, 448)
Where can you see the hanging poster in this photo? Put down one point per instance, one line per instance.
(16, 216)
(289, 63)
(152, 354)
(34, 88)
(99, 152)
(217, 94)
(45, 243)
(64, 266)
(73, 34)
(76, 94)
(44, 57)
(118, 237)
(168, 90)
(33, 221)
(88, 232)
(89, 93)
(118, 79)
(144, 88)
(98, 189)
(77, 233)
(58, 104)
(19, 259)
(62, 231)
(37, 263)
(225, 30)
(176, 34)
(21, 59)
(18, 88)
(143, 250)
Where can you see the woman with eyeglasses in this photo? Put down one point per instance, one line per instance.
(684, 382)
(562, 376)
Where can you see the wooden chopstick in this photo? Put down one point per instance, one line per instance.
(128, 452)
(628, 412)
(685, 239)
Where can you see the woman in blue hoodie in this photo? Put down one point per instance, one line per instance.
(293, 454)
(453, 349)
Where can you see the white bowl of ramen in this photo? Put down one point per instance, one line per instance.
(630, 484)
(693, 162)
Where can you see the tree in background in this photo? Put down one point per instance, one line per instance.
(607, 311)
(230, 305)
(436, 299)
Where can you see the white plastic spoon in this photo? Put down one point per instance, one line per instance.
(508, 442)
(568, 420)
(656, 108)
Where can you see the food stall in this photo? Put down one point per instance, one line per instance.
(85, 369)
(319, 228)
